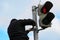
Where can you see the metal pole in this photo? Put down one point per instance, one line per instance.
(34, 14)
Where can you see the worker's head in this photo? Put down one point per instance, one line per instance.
(13, 20)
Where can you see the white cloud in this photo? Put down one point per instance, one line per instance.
(56, 25)
(4, 22)
(31, 38)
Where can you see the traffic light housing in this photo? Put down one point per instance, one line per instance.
(45, 16)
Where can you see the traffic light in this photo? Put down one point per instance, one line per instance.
(45, 16)
(46, 7)
(48, 18)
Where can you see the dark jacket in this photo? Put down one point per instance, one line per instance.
(16, 29)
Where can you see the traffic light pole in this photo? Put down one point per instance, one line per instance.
(44, 14)
(34, 14)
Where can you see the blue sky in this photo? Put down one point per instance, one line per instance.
(22, 9)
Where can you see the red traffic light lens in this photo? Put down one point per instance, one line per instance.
(44, 10)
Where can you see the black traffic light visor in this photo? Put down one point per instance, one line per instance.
(49, 17)
(46, 7)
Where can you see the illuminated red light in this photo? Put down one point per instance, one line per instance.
(44, 10)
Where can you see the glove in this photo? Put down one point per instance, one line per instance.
(33, 22)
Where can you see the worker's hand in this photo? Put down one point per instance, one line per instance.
(33, 22)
